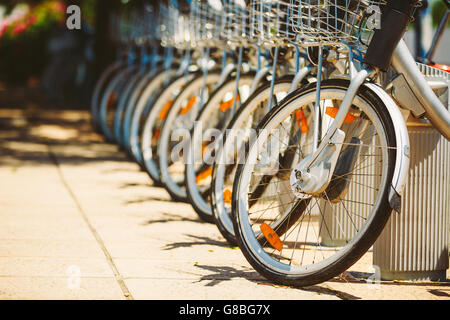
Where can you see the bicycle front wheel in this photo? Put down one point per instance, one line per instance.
(304, 239)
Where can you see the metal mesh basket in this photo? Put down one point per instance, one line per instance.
(132, 26)
(182, 36)
(138, 28)
(313, 22)
(206, 23)
(271, 22)
(175, 28)
(236, 23)
(167, 26)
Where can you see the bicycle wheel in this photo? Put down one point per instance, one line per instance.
(211, 121)
(136, 117)
(100, 86)
(224, 168)
(301, 239)
(141, 91)
(153, 120)
(124, 99)
(177, 124)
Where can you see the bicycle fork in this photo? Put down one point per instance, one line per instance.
(314, 173)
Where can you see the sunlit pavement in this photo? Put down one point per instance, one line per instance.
(78, 220)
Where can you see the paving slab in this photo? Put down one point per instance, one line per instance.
(58, 288)
(50, 248)
(54, 267)
(217, 289)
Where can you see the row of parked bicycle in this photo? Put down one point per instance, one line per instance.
(282, 122)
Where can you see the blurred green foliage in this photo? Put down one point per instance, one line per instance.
(24, 31)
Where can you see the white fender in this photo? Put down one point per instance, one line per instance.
(402, 140)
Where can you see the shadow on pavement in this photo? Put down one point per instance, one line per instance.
(222, 273)
(26, 134)
(169, 217)
(198, 241)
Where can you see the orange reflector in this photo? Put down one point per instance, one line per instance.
(165, 110)
(301, 121)
(271, 236)
(112, 99)
(224, 106)
(332, 112)
(204, 175)
(227, 196)
(188, 106)
(156, 134)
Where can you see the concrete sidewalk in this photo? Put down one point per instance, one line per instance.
(80, 221)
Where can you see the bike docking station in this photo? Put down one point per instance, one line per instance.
(414, 243)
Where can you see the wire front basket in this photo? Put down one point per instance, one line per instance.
(175, 28)
(134, 26)
(272, 22)
(314, 22)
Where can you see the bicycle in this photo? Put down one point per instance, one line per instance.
(246, 119)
